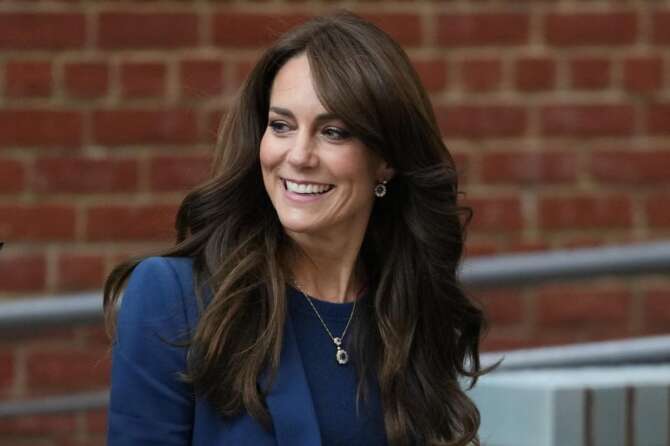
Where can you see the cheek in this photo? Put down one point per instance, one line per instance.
(268, 156)
(354, 164)
(363, 171)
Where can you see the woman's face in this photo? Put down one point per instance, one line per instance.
(319, 177)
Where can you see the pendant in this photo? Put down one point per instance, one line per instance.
(341, 355)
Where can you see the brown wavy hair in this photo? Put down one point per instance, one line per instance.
(420, 334)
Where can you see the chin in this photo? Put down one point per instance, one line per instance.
(299, 228)
(298, 224)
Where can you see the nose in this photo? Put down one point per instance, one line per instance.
(302, 153)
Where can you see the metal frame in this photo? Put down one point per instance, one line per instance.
(29, 314)
(583, 263)
(651, 349)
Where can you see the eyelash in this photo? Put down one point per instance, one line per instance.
(333, 133)
(341, 134)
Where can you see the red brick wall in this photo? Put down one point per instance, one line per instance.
(558, 114)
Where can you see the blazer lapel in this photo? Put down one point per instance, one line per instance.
(290, 400)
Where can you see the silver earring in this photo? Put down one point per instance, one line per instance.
(380, 189)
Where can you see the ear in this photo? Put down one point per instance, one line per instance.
(385, 172)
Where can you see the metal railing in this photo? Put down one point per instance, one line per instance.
(649, 349)
(583, 263)
(481, 272)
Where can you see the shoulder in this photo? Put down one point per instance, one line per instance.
(159, 292)
(167, 270)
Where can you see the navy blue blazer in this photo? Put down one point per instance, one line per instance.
(149, 405)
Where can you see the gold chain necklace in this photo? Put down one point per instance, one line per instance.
(341, 355)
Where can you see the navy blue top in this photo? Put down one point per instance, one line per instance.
(332, 385)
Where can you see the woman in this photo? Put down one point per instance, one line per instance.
(311, 297)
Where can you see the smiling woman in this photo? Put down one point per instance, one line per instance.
(311, 297)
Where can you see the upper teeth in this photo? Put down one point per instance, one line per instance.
(307, 188)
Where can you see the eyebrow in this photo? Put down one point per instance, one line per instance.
(289, 114)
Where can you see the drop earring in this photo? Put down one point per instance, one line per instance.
(380, 189)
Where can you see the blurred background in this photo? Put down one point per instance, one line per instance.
(557, 112)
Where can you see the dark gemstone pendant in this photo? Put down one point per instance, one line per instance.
(342, 356)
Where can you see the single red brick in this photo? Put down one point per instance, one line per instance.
(6, 371)
(583, 241)
(142, 79)
(469, 29)
(501, 214)
(502, 307)
(28, 79)
(523, 246)
(22, 273)
(404, 28)
(121, 30)
(564, 305)
(53, 337)
(147, 222)
(658, 116)
(241, 71)
(87, 79)
(661, 27)
(433, 73)
(609, 332)
(120, 256)
(66, 369)
(94, 336)
(477, 249)
(84, 175)
(25, 127)
(27, 222)
(643, 73)
(12, 176)
(42, 30)
(495, 342)
(528, 167)
(96, 421)
(173, 173)
(36, 426)
(201, 78)
(582, 212)
(657, 210)
(573, 333)
(590, 73)
(626, 167)
(587, 120)
(213, 120)
(598, 28)
(535, 73)
(91, 439)
(242, 29)
(119, 127)
(490, 120)
(79, 271)
(463, 165)
(481, 74)
(657, 310)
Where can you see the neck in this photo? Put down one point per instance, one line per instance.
(327, 270)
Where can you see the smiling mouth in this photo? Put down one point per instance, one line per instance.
(306, 189)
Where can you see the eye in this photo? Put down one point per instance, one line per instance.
(278, 126)
(335, 133)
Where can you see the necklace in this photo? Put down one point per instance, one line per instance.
(341, 355)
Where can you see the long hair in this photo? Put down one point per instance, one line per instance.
(420, 333)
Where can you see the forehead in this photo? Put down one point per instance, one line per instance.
(293, 87)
